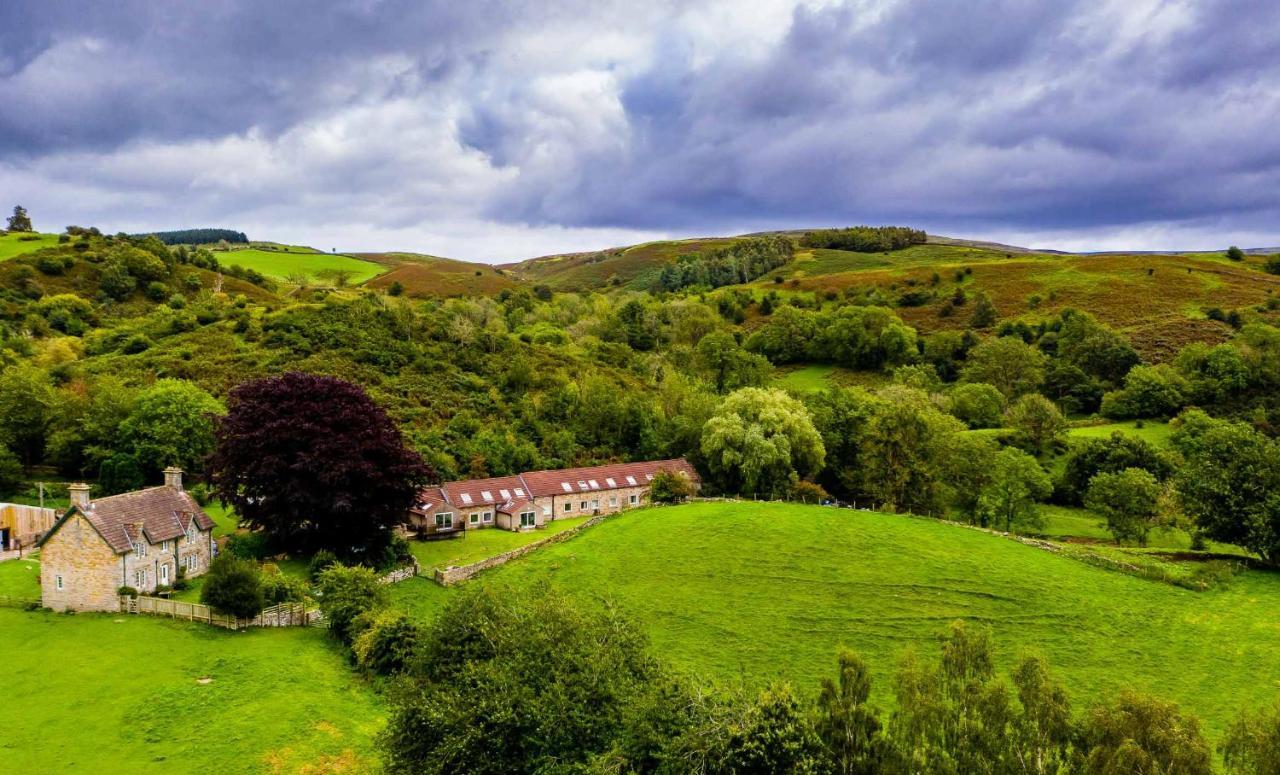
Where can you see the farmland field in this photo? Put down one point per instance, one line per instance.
(768, 590)
(18, 243)
(280, 264)
(112, 693)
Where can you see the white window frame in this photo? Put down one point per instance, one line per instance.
(568, 506)
(532, 518)
(58, 583)
(582, 506)
(142, 548)
(546, 509)
(474, 519)
(634, 500)
(441, 522)
(487, 517)
(613, 501)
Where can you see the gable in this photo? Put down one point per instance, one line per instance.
(74, 513)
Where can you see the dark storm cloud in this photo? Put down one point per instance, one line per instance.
(1004, 115)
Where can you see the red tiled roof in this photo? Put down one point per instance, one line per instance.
(155, 514)
(516, 506)
(483, 492)
(534, 484)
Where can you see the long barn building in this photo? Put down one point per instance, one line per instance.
(532, 499)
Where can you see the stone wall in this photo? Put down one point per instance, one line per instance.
(454, 575)
(90, 570)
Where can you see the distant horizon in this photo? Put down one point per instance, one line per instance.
(495, 133)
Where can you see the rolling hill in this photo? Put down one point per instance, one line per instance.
(802, 581)
(423, 276)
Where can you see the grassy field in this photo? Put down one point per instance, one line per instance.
(112, 694)
(280, 264)
(16, 244)
(1156, 433)
(20, 579)
(631, 265)
(480, 544)
(765, 590)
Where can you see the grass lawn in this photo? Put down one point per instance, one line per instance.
(1157, 433)
(767, 590)
(16, 244)
(224, 519)
(20, 579)
(477, 545)
(280, 264)
(110, 693)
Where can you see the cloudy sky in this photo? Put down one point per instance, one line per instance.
(494, 130)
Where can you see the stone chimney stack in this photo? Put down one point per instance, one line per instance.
(79, 495)
(173, 478)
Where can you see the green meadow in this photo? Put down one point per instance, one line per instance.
(1157, 433)
(476, 545)
(283, 264)
(17, 243)
(102, 693)
(761, 591)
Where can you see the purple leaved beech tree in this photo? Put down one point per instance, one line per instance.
(314, 463)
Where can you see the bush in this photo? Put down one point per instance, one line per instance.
(201, 492)
(247, 546)
(668, 487)
(50, 264)
(233, 587)
(279, 588)
(320, 563)
(803, 491)
(156, 291)
(387, 643)
(177, 301)
(127, 592)
(346, 593)
(977, 404)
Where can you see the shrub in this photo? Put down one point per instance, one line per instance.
(345, 593)
(669, 487)
(1273, 264)
(803, 491)
(396, 288)
(201, 492)
(50, 264)
(320, 562)
(233, 587)
(156, 290)
(247, 546)
(387, 643)
(177, 301)
(127, 592)
(977, 404)
(279, 588)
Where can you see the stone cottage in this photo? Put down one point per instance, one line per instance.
(532, 499)
(136, 539)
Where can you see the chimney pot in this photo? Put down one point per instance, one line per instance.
(173, 478)
(79, 495)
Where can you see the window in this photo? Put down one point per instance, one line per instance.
(142, 548)
(528, 519)
(475, 518)
(582, 506)
(58, 581)
(444, 520)
(488, 516)
(568, 507)
(140, 578)
(546, 510)
(466, 498)
(633, 500)
(595, 504)
(613, 501)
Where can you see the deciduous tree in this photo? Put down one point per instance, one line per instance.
(1129, 500)
(759, 439)
(1017, 482)
(313, 462)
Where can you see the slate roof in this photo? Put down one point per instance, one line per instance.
(516, 506)
(155, 514)
(483, 492)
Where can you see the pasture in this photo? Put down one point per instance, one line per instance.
(319, 267)
(476, 545)
(429, 276)
(17, 243)
(119, 693)
(760, 591)
(1156, 433)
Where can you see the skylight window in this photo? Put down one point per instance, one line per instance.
(609, 481)
(466, 498)
(594, 484)
(505, 494)
(565, 486)
(489, 496)
(519, 493)
(649, 477)
(631, 480)
(582, 485)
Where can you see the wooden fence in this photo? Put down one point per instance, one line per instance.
(282, 615)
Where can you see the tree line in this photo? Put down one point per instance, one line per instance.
(741, 262)
(198, 236)
(864, 239)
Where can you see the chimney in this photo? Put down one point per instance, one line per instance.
(173, 478)
(79, 495)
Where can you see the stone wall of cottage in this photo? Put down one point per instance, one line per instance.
(557, 511)
(166, 556)
(91, 572)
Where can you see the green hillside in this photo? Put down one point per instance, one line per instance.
(422, 276)
(17, 243)
(286, 261)
(767, 590)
